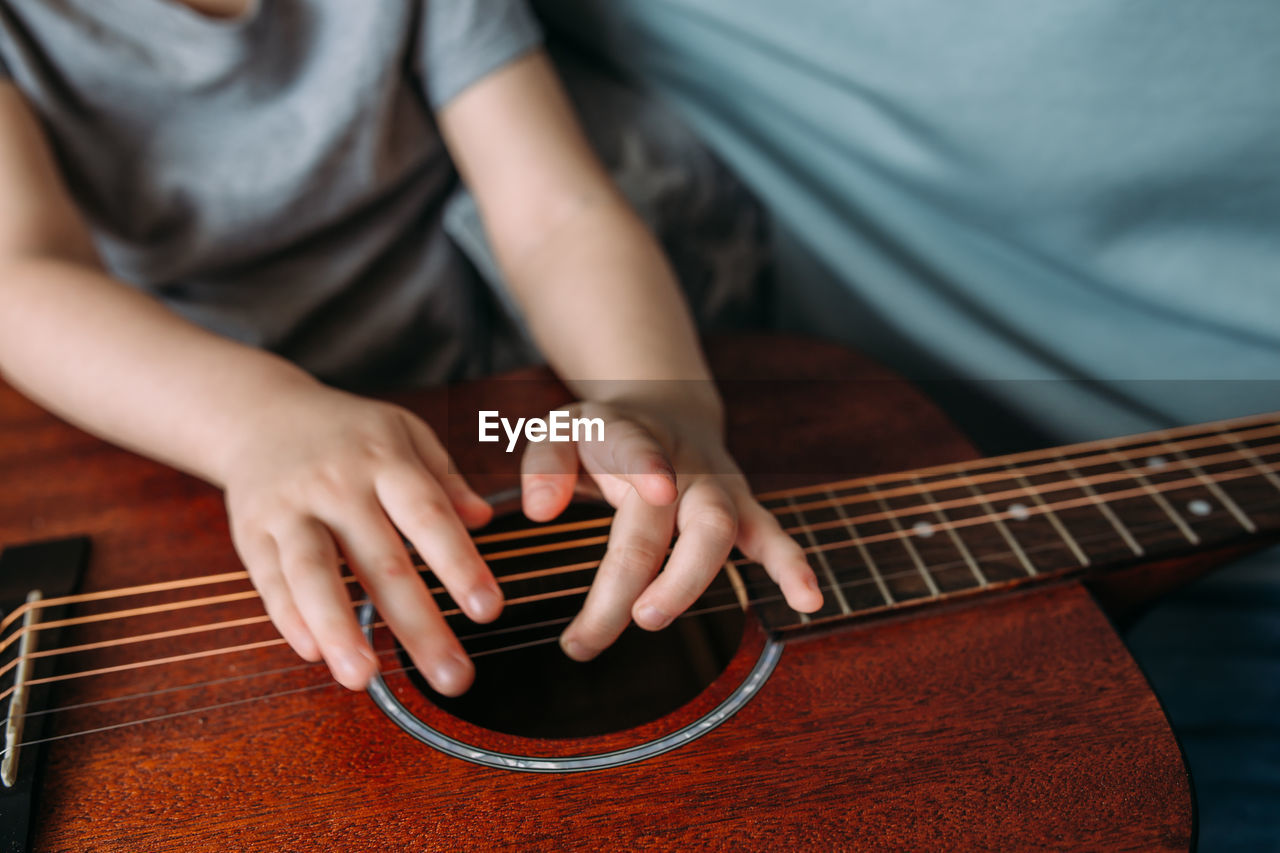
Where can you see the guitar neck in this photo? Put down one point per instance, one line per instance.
(918, 536)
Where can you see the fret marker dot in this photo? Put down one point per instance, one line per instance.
(1199, 507)
(1019, 512)
(1156, 463)
(923, 529)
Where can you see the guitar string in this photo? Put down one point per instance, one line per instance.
(246, 621)
(1219, 439)
(915, 490)
(848, 500)
(220, 705)
(244, 647)
(897, 534)
(317, 666)
(1135, 442)
(509, 578)
(909, 571)
(1054, 468)
(1213, 438)
(979, 519)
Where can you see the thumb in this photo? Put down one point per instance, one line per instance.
(548, 474)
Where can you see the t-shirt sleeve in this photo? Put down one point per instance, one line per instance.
(463, 40)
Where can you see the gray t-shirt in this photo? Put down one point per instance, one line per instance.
(277, 178)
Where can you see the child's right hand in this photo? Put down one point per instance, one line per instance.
(319, 473)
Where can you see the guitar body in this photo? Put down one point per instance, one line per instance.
(1012, 721)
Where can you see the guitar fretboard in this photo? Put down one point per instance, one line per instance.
(887, 541)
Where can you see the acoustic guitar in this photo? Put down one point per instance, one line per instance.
(963, 685)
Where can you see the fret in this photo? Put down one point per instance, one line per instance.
(1050, 515)
(999, 525)
(879, 542)
(1236, 485)
(1103, 507)
(906, 541)
(830, 534)
(1258, 493)
(947, 525)
(971, 524)
(1217, 492)
(872, 569)
(1254, 459)
(821, 556)
(930, 538)
(883, 546)
(1157, 496)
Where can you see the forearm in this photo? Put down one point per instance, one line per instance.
(604, 307)
(598, 295)
(119, 364)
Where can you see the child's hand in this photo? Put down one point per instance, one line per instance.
(320, 473)
(662, 468)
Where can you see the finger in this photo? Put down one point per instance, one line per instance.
(402, 599)
(309, 564)
(548, 474)
(629, 451)
(474, 510)
(708, 526)
(417, 505)
(258, 553)
(763, 540)
(637, 548)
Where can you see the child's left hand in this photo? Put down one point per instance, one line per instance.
(663, 469)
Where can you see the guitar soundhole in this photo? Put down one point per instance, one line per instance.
(526, 686)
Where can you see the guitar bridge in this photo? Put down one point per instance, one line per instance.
(15, 722)
(55, 567)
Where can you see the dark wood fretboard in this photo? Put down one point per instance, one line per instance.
(919, 536)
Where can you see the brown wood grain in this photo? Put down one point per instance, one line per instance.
(1013, 723)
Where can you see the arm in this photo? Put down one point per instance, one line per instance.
(114, 361)
(603, 305)
(564, 236)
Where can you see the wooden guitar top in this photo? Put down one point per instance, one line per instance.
(1014, 722)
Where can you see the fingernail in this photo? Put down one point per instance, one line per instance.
(478, 506)
(484, 602)
(575, 649)
(541, 497)
(349, 668)
(452, 673)
(651, 618)
(811, 582)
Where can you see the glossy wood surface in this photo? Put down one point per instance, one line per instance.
(1013, 723)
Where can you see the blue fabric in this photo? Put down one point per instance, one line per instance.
(1085, 190)
(1084, 195)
